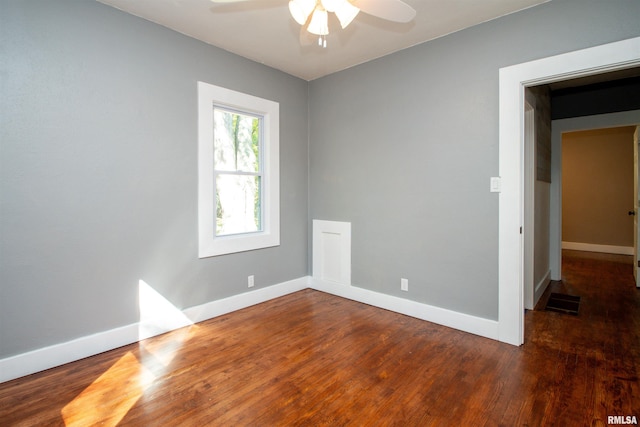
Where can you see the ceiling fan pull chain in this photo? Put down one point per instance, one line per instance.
(322, 41)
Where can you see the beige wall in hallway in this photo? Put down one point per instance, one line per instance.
(597, 186)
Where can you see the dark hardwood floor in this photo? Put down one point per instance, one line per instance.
(314, 359)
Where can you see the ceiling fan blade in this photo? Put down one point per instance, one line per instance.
(391, 10)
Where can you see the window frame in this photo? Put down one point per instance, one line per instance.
(224, 172)
(210, 97)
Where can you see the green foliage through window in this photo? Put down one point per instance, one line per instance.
(237, 172)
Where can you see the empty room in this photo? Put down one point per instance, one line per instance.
(322, 213)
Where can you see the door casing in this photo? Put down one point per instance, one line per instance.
(512, 82)
(636, 207)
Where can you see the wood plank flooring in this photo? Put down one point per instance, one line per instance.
(312, 359)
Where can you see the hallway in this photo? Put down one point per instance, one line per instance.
(593, 359)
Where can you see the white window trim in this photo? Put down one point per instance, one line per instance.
(208, 243)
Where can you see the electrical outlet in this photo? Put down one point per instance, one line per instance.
(250, 281)
(404, 285)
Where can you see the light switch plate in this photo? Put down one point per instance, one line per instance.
(496, 184)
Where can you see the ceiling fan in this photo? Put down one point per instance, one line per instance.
(313, 15)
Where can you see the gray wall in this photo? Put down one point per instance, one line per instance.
(403, 147)
(98, 171)
(98, 162)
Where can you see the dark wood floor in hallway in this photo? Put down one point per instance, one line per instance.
(312, 359)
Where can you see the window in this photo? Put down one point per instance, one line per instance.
(238, 172)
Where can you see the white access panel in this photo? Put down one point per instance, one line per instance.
(332, 251)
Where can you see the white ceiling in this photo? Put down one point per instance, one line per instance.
(265, 32)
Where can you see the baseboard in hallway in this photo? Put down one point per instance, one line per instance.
(591, 247)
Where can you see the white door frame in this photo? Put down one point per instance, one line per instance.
(513, 80)
(529, 206)
(636, 204)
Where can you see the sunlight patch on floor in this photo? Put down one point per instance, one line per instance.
(110, 397)
(164, 349)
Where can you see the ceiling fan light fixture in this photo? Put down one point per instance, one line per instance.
(345, 12)
(319, 24)
(330, 5)
(301, 9)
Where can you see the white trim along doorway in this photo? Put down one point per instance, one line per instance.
(513, 81)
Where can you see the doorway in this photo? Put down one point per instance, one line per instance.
(597, 176)
(597, 190)
(593, 61)
(566, 126)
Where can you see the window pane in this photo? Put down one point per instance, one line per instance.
(236, 141)
(238, 207)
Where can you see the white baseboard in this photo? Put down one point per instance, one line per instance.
(237, 302)
(540, 287)
(59, 354)
(590, 247)
(48, 357)
(453, 319)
